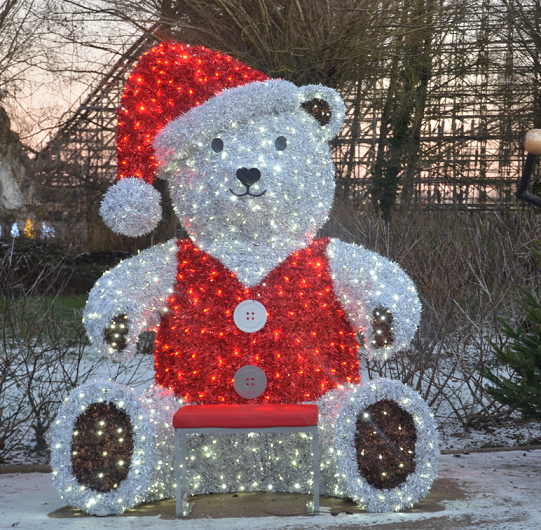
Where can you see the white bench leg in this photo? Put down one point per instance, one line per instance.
(183, 507)
(315, 451)
(177, 474)
(312, 507)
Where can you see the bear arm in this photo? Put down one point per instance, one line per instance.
(133, 294)
(378, 298)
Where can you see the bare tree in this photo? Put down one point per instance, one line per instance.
(43, 352)
(346, 44)
(525, 17)
(435, 101)
(467, 270)
(20, 28)
(304, 41)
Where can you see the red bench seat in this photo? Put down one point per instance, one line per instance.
(245, 416)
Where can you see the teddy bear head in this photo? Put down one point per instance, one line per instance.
(246, 158)
(253, 164)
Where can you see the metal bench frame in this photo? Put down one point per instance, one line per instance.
(184, 508)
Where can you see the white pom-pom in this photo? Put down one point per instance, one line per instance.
(131, 207)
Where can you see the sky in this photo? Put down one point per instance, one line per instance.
(69, 56)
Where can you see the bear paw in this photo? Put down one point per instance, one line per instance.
(103, 450)
(116, 333)
(382, 328)
(381, 445)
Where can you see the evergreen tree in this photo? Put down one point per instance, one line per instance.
(522, 354)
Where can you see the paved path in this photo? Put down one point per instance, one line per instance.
(484, 491)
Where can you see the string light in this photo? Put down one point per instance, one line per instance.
(29, 230)
(396, 488)
(166, 82)
(138, 462)
(251, 177)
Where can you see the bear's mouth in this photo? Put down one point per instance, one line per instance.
(247, 192)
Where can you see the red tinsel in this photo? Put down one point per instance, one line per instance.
(168, 81)
(306, 348)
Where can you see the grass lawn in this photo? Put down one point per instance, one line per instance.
(30, 316)
(69, 304)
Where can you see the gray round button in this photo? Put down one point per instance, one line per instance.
(250, 382)
(250, 316)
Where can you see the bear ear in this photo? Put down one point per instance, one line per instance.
(326, 106)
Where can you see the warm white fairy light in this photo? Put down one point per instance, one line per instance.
(152, 448)
(352, 401)
(250, 236)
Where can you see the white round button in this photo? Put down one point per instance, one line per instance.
(250, 382)
(250, 316)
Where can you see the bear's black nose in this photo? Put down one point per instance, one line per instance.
(248, 176)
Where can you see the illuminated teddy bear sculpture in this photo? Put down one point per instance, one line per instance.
(252, 296)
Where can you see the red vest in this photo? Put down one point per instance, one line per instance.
(306, 348)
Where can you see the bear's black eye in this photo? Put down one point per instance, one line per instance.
(280, 143)
(217, 145)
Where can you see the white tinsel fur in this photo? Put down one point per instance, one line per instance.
(251, 236)
(152, 447)
(131, 207)
(222, 463)
(364, 281)
(137, 287)
(244, 105)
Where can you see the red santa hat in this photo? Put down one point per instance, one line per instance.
(168, 81)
